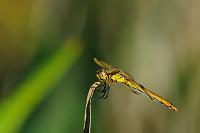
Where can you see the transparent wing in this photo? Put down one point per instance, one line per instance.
(103, 64)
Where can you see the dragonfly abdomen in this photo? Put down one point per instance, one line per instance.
(164, 101)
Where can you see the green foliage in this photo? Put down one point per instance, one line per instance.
(20, 104)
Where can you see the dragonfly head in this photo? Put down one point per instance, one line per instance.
(101, 75)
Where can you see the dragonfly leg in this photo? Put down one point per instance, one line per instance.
(105, 92)
(102, 90)
(108, 89)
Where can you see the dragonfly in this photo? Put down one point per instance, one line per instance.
(110, 74)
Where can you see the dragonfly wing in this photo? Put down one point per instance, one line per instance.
(136, 91)
(103, 64)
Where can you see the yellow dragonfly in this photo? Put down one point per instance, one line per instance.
(111, 74)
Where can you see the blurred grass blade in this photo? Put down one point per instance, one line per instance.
(18, 106)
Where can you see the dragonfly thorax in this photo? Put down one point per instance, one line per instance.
(101, 75)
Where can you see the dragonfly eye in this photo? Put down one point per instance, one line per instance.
(101, 74)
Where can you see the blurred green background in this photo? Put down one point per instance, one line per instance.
(46, 64)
